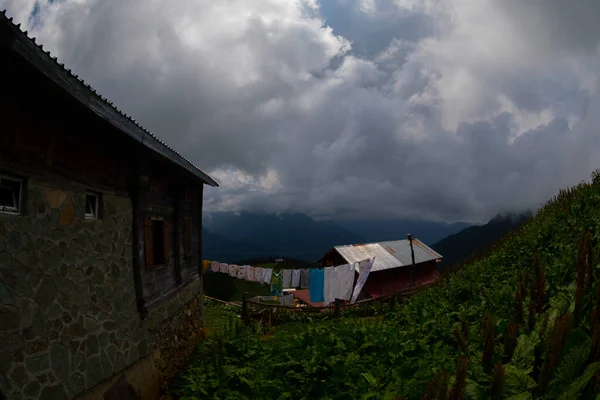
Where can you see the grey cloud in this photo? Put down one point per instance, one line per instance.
(289, 117)
(372, 30)
(555, 24)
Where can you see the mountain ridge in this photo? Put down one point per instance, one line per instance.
(456, 248)
(231, 236)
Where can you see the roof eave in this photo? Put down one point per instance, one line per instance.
(26, 48)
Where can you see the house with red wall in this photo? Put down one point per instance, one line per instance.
(391, 271)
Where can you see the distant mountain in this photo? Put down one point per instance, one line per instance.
(246, 235)
(456, 248)
(428, 232)
(218, 247)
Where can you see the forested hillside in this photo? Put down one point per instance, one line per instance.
(520, 323)
(474, 239)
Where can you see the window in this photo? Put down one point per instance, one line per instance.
(91, 206)
(156, 242)
(187, 237)
(10, 195)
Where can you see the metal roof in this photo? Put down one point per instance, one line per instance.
(27, 49)
(401, 251)
(388, 255)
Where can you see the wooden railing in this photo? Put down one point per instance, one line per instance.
(253, 309)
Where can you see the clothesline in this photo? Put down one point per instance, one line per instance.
(324, 284)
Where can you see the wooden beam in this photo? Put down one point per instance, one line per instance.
(135, 233)
(198, 210)
(177, 234)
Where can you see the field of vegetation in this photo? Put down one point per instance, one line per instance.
(521, 322)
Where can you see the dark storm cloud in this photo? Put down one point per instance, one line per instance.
(429, 109)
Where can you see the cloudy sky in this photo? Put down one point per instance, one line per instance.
(439, 109)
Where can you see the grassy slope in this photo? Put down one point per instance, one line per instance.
(398, 354)
(217, 317)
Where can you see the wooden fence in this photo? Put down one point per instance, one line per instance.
(264, 312)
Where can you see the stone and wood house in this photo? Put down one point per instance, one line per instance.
(100, 239)
(391, 271)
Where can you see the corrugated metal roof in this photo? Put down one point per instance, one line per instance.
(32, 52)
(383, 258)
(401, 250)
(391, 254)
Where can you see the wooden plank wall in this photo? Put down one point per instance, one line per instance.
(175, 200)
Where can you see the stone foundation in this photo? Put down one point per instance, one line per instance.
(175, 329)
(141, 376)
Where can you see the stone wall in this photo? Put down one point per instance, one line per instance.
(140, 378)
(68, 315)
(175, 329)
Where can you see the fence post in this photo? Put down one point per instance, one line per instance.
(336, 303)
(244, 308)
(412, 258)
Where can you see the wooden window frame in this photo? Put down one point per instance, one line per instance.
(150, 262)
(19, 196)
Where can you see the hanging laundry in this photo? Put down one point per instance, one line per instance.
(223, 268)
(277, 284)
(295, 278)
(304, 278)
(259, 273)
(215, 267)
(315, 289)
(233, 270)
(242, 271)
(250, 274)
(205, 266)
(344, 281)
(287, 278)
(267, 276)
(364, 268)
(328, 285)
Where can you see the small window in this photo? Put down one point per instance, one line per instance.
(91, 206)
(187, 237)
(156, 243)
(10, 195)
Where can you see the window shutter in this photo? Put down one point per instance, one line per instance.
(166, 241)
(148, 243)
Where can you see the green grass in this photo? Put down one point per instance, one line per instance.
(269, 265)
(227, 288)
(419, 347)
(252, 288)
